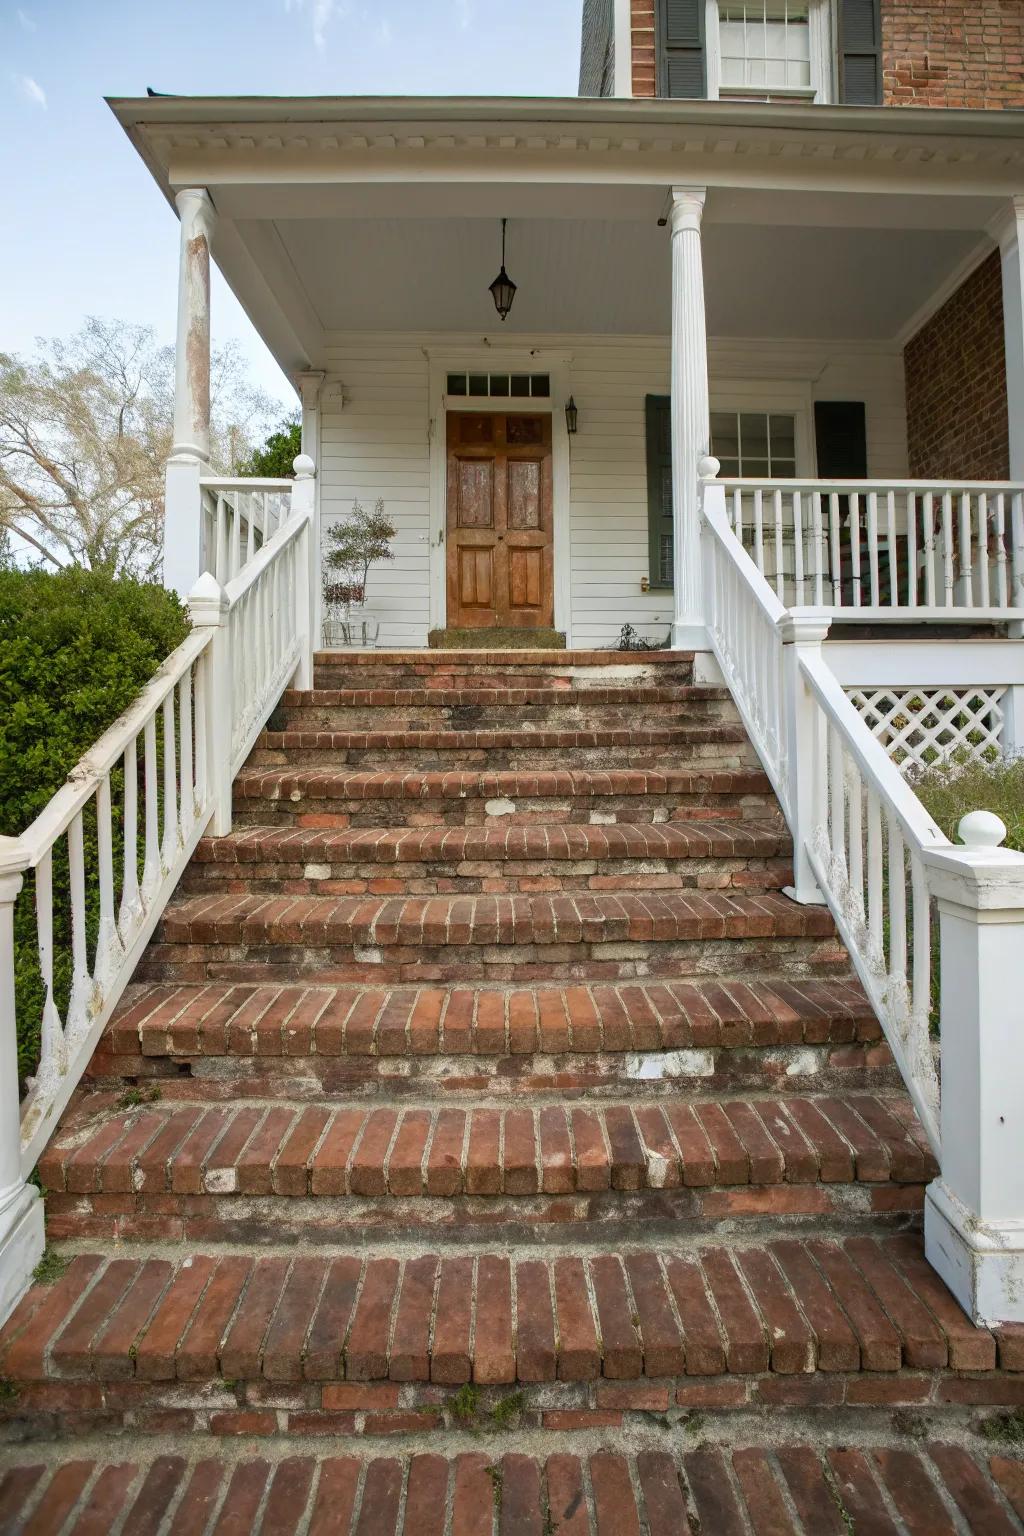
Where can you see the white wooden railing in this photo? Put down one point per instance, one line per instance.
(884, 549)
(239, 517)
(152, 785)
(903, 897)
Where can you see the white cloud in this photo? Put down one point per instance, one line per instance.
(28, 25)
(31, 90)
(385, 32)
(464, 11)
(322, 13)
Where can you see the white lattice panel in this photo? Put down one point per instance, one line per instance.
(919, 726)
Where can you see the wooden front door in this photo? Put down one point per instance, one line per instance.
(500, 527)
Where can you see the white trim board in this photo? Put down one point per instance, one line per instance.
(926, 663)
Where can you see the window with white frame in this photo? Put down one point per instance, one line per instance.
(767, 50)
(765, 44)
(754, 445)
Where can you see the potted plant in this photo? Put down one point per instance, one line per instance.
(353, 546)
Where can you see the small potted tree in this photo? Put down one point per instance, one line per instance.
(352, 547)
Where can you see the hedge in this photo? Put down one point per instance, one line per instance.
(75, 648)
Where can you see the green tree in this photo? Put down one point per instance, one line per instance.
(277, 456)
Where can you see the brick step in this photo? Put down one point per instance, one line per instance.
(565, 712)
(300, 1042)
(338, 797)
(597, 935)
(854, 1310)
(421, 861)
(175, 1169)
(432, 665)
(511, 693)
(781, 1489)
(717, 744)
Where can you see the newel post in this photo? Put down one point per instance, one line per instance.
(307, 576)
(208, 609)
(802, 631)
(190, 451)
(974, 1210)
(21, 1210)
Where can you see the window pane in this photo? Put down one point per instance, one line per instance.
(666, 558)
(456, 383)
(478, 383)
(765, 43)
(725, 442)
(753, 436)
(520, 384)
(499, 384)
(541, 385)
(782, 430)
(756, 469)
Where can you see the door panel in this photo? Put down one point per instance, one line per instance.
(500, 526)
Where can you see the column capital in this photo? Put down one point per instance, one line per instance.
(196, 210)
(687, 208)
(309, 383)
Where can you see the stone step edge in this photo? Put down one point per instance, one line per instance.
(675, 841)
(437, 660)
(511, 695)
(481, 920)
(787, 1307)
(362, 1020)
(607, 1489)
(311, 1149)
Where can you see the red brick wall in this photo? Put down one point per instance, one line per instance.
(957, 423)
(935, 53)
(953, 53)
(644, 72)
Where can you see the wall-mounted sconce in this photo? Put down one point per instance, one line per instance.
(571, 417)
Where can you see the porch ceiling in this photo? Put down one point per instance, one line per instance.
(611, 274)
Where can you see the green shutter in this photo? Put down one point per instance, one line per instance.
(860, 53)
(659, 490)
(681, 70)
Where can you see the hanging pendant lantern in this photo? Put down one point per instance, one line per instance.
(503, 289)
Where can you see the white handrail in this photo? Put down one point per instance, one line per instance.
(153, 783)
(881, 549)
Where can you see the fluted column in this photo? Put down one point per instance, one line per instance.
(691, 430)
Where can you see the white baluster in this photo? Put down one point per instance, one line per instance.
(759, 530)
(131, 906)
(911, 550)
(151, 863)
(873, 548)
(221, 567)
(897, 910)
(52, 1054)
(947, 549)
(819, 552)
(208, 609)
(109, 950)
(1017, 546)
(894, 570)
(780, 576)
(187, 772)
(966, 549)
(835, 540)
(983, 554)
(876, 882)
(81, 986)
(170, 840)
(798, 550)
(1002, 584)
(236, 533)
(929, 550)
(21, 1209)
(854, 502)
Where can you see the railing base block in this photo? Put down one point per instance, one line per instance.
(22, 1240)
(809, 897)
(981, 1262)
(690, 637)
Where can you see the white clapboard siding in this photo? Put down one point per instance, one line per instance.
(375, 442)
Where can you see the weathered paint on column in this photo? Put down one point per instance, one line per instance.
(691, 429)
(192, 354)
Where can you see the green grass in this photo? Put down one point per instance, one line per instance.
(1004, 1428)
(51, 1267)
(950, 792)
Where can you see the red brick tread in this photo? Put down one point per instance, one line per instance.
(517, 695)
(316, 1149)
(448, 845)
(785, 1307)
(493, 784)
(244, 1019)
(594, 917)
(563, 737)
(784, 1490)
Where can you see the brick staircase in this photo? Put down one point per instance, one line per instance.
(483, 1090)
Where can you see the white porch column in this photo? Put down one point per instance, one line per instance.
(974, 1211)
(1008, 229)
(691, 431)
(190, 453)
(310, 385)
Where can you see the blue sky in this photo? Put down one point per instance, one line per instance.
(85, 229)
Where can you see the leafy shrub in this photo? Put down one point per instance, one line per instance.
(75, 649)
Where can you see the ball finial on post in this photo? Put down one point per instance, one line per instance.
(981, 829)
